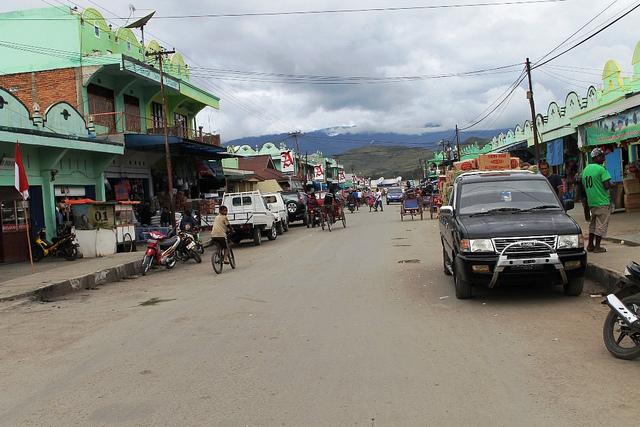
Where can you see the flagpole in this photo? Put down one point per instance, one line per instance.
(22, 185)
(27, 219)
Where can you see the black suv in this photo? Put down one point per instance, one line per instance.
(296, 203)
(503, 227)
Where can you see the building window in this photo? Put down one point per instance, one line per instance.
(128, 45)
(156, 115)
(96, 31)
(181, 124)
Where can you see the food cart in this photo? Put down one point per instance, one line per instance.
(103, 228)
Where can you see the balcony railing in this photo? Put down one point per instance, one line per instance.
(119, 122)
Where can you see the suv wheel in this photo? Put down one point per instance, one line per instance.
(285, 227)
(280, 227)
(445, 266)
(273, 233)
(292, 207)
(463, 288)
(574, 286)
(257, 236)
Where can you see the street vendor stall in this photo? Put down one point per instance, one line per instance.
(103, 228)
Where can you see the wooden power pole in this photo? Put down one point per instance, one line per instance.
(458, 143)
(167, 150)
(534, 124)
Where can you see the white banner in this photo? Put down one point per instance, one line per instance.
(318, 173)
(286, 160)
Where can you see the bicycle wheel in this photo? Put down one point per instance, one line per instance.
(232, 259)
(322, 221)
(329, 222)
(217, 257)
(344, 220)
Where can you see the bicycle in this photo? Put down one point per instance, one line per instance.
(217, 257)
(326, 216)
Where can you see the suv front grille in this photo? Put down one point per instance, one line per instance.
(530, 244)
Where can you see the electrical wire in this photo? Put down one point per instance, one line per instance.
(584, 40)
(331, 11)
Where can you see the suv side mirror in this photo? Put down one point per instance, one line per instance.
(568, 204)
(446, 211)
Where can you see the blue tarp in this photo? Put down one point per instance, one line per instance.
(614, 165)
(555, 152)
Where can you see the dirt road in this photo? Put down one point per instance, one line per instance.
(314, 329)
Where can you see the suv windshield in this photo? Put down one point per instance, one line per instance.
(516, 195)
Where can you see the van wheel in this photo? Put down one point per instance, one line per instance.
(273, 233)
(463, 288)
(257, 237)
(574, 286)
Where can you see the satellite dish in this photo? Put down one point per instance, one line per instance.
(142, 21)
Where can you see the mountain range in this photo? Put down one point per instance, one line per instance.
(334, 141)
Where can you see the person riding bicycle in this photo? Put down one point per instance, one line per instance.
(219, 232)
(329, 200)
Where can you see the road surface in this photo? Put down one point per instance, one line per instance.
(314, 329)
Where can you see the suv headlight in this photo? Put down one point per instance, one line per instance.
(571, 241)
(476, 245)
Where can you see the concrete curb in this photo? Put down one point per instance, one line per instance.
(605, 277)
(53, 290)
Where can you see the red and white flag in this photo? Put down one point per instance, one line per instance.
(22, 184)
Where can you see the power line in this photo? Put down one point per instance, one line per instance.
(577, 31)
(332, 11)
(587, 38)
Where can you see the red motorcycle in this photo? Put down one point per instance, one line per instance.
(161, 250)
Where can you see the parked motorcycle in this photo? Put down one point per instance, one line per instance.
(161, 250)
(351, 206)
(621, 330)
(188, 248)
(64, 245)
(195, 234)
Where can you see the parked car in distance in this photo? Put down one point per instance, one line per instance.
(394, 195)
(296, 203)
(250, 217)
(276, 205)
(503, 227)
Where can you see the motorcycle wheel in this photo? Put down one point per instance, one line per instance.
(37, 252)
(200, 248)
(195, 255)
(171, 262)
(70, 253)
(625, 345)
(147, 262)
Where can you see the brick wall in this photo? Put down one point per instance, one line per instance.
(44, 87)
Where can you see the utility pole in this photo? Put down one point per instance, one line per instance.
(298, 154)
(167, 151)
(534, 125)
(458, 143)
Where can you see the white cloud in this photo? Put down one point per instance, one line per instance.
(379, 44)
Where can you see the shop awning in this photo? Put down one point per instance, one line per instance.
(179, 146)
(517, 146)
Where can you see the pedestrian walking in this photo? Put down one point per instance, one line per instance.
(596, 181)
(378, 201)
(554, 179)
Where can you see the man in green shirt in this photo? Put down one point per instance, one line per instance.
(596, 181)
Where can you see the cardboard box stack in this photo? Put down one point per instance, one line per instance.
(631, 194)
(494, 162)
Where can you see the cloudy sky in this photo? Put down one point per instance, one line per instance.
(377, 44)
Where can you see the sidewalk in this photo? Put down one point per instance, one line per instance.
(622, 243)
(56, 277)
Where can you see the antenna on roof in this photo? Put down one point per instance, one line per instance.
(140, 23)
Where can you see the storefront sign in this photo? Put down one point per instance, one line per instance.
(614, 129)
(61, 191)
(11, 228)
(342, 177)
(286, 159)
(149, 73)
(318, 173)
(8, 163)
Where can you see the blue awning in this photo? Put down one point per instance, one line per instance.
(555, 152)
(179, 146)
